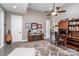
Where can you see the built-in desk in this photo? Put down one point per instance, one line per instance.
(35, 37)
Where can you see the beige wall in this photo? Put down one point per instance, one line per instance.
(33, 16)
(30, 17)
(8, 20)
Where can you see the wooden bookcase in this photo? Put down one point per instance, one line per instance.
(73, 31)
(72, 28)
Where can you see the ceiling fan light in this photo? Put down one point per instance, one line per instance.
(54, 13)
(14, 6)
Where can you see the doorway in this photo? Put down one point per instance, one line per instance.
(1, 28)
(16, 28)
(47, 29)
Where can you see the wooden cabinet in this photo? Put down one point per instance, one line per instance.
(35, 37)
(63, 25)
(8, 38)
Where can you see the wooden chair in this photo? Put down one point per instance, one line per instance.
(58, 39)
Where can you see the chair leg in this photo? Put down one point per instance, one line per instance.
(56, 43)
(63, 43)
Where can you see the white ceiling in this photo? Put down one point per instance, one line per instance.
(20, 7)
(44, 6)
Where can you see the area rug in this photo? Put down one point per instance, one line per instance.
(39, 48)
(23, 52)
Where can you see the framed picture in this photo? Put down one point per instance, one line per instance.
(39, 26)
(34, 26)
(28, 25)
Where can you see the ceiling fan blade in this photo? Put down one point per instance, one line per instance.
(57, 8)
(61, 11)
(52, 10)
(55, 14)
(48, 14)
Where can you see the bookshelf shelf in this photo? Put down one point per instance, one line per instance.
(74, 25)
(73, 29)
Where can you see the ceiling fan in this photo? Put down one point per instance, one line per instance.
(55, 11)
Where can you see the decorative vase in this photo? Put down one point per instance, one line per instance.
(8, 37)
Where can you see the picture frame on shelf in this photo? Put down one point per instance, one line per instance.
(34, 26)
(27, 25)
(39, 26)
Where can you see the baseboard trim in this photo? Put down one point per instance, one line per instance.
(1, 47)
(24, 41)
(21, 41)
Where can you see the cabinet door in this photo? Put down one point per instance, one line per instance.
(29, 38)
(63, 25)
(36, 38)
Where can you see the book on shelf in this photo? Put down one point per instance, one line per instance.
(77, 23)
(73, 28)
(69, 28)
(73, 23)
(77, 28)
(70, 23)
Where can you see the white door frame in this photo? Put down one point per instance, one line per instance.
(2, 30)
(47, 29)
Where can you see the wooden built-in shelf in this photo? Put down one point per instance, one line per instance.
(72, 28)
(72, 42)
(74, 25)
(73, 47)
(73, 20)
(73, 31)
